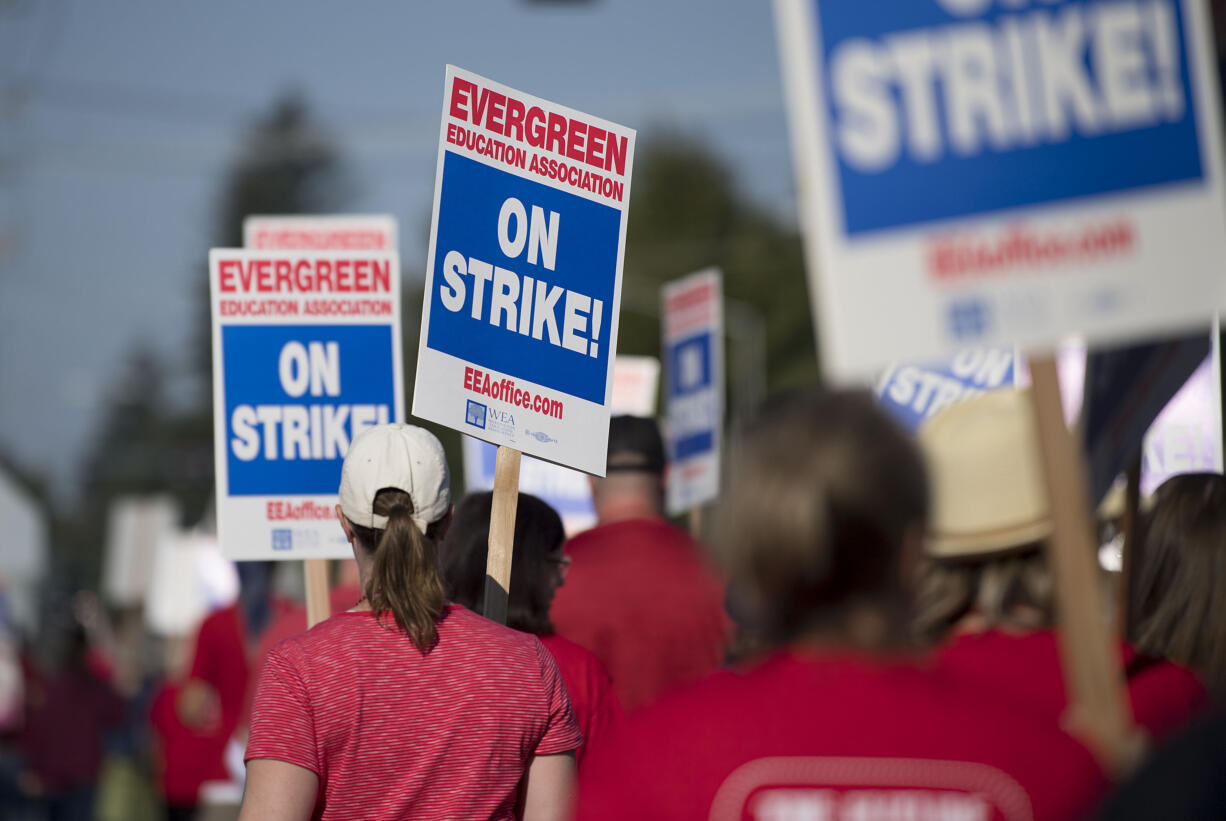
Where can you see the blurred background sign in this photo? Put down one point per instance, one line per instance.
(1071, 184)
(693, 349)
(331, 232)
(135, 528)
(914, 393)
(307, 355)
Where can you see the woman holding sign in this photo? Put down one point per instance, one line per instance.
(407, 706)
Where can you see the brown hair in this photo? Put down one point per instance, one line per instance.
(1181, 576)
(824, 491)
(404, 575)
(1013, 590)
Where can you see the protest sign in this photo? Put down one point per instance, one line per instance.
(996, 173)
(523, 277)
(306, 355)
(331, 232)
(567, 491)
(692, 335)
(915, 393)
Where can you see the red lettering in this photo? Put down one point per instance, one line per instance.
(485, 385)
(468, 379)
(616, 155)
(576, 135)
(323, 275)
(461, 95)
(483, 99)
(556, 138)
(225, 274)
(595, 146)
(302, 275)
(283, 273)
(536, 127)
(515, 119)
(344, 275)
(263, 275)
(497, 109)
(382, 275)
(361, 275)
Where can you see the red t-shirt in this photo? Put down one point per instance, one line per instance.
(1026, 669)
(67, 714)
(590, 689)
(840, 737)
(186, 757)
(395, 734)
(641, 596)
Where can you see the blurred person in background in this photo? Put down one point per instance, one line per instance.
(640, 593)
(406, 706)
(199, 718)
(1180, 610)
(538, 569)
(820, 528)
(70, 704)
(986, 592)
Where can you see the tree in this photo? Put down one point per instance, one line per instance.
(686, 213)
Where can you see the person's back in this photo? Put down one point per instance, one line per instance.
(590, 688)
(836, 735)
(826, 505)
(641, 596)
(1025, 668)
(396, 734)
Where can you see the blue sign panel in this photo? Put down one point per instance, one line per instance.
(295, 396)
(689, 376)
(915, 393)
(949, 108)
(524, 278)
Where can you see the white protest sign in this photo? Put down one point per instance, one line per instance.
(331, 232)
(913, 393)
(992, 172)
(523, 280)
(692, 334)
(306, 355)
(568, 491)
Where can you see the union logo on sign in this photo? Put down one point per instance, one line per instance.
(475, 414)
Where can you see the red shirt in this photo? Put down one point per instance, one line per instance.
(67, 713)
(836, 736)
(641, 596)
(395, 734)
(1026, 669)
(590, 689)
(186, 757)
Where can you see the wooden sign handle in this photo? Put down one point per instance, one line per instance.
(502, 534)
(1090, 654)
(315, 572)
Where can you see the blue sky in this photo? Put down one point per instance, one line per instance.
(118, 121)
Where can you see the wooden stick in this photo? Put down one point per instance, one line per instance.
(1090, 656)
(315, 572)
(696, 523)
(1129, 530)
(502, 534)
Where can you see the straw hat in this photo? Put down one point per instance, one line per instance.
(983, 459)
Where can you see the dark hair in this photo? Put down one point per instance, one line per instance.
(404, 576)
(1181, 576)
(1013, 590)
(538, 537)
(824, 489)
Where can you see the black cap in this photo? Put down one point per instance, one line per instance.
(635, 444)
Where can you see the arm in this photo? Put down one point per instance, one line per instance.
(277, 791)
(549, 790)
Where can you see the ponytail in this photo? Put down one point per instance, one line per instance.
(404, 574)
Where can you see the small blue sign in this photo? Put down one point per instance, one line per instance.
(541, 312)
(282, 539)
(950, 108)
(295, 395)
(914, 393)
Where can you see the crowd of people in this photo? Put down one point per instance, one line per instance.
(870, 634)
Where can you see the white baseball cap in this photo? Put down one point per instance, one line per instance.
(399, 456)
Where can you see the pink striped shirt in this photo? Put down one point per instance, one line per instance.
(395, 734)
